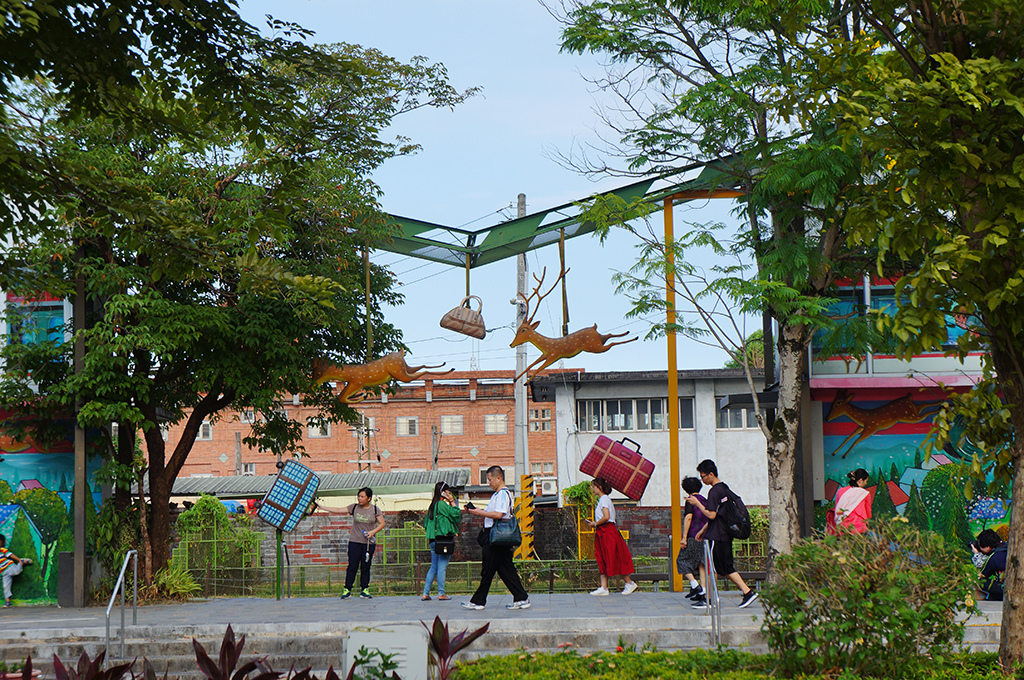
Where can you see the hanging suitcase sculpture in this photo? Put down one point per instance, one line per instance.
(289, 497)
(624, 468)
(466, 320)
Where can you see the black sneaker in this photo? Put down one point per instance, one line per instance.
(748, 598)
(695, 593)
(700, 602)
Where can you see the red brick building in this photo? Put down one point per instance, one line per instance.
(465, 419)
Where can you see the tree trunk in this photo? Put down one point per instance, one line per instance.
(1011, 634)
(783, 515)
(159, 516)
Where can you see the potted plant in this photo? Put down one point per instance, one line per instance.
(16, 670)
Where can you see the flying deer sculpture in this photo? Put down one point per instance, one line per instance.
(553, 349)
(358, 378)
(872, 420)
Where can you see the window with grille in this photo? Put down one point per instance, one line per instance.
(451, 424)
(248, 469)
(540, 420)
(496, 423)
(407, 426)
(322, 431)
(205, 431)
(588, 415)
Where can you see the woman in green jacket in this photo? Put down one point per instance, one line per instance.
(442, 519)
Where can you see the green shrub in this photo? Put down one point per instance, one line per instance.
(176, 583)
(879, 603)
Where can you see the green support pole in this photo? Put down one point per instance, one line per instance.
(278, 580)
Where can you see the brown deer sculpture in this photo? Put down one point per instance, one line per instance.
(872, 420)
(359, 377)
(553, 349)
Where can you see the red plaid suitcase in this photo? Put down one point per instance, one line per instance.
(624, 468)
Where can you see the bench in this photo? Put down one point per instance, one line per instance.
(656, 578)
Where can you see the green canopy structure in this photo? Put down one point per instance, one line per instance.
(464, 248)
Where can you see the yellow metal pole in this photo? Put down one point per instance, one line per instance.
(673, 395)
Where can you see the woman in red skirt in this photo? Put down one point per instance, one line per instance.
(613, 558)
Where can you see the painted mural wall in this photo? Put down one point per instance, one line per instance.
(36, 496)
(882, 431)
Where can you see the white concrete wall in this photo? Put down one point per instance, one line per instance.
(740, 454)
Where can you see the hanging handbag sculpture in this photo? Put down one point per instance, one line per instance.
(505, 532)
(466, 320)
(444, 545)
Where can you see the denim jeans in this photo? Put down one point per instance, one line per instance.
(438, 568)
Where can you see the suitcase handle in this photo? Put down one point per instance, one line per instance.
(627, 439)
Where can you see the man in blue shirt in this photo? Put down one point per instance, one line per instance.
(991, 586)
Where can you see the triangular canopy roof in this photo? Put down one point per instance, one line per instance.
(464, 248)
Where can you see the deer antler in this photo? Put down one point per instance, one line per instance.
(537, 294)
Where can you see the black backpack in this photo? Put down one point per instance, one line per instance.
(734, 515)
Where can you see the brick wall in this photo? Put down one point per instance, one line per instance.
(323, 539)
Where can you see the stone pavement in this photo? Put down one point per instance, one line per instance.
(662, 619)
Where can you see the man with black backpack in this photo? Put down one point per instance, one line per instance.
(725, 512)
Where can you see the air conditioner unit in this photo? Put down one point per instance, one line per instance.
(548, 486)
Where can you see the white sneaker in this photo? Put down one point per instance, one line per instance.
(600, 592)
(522, 604)
(630, 587)
(471, 605)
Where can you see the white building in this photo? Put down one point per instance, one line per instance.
(634, 405)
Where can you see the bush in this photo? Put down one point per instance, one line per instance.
(875, 604)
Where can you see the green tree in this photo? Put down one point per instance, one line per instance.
(752, 354)
(249, 271)
(6, 494)
(29, 585)
(882, 505)
(702, 82)
(894, 473)
(48, 514)
(936, 90)
(915, 512)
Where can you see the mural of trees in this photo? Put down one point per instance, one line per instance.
(882, 505)
(916, 512)
(49, 514)
(943, 496)
(29, 585)
(6, 495)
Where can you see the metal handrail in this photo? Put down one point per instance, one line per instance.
(119, 587)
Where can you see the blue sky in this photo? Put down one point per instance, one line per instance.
(479, 157)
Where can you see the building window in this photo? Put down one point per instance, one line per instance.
(737, 418)
(322, 431)
(650, 414)
(31, 322)
(588, 415)
(407, 426)
(205, 431)
(451, 424)
(618, 415)
(536, 469)
(540, 420)
(483, 475)
(686, 413)
(248, 469)
(247, 416)
(165, 431)
(496, 423)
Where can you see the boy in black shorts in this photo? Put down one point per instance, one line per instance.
(721, 542)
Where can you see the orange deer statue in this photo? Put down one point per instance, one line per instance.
(872, 420)
(357, 378)
(553, 349)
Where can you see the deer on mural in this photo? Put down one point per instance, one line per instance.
(872, 420)
(553, 349)
(357, 378)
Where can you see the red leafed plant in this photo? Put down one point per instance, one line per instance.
(86, 670)
(444, 647)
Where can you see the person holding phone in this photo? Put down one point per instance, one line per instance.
(442, 519)
(367, 522)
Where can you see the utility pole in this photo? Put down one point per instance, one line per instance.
(434, 448)
(238, 454)
(81, 482)
(522, 449)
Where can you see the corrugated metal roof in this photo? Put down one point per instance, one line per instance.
(407, 481)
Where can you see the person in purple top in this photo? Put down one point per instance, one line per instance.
(721, 542)
(690, 560)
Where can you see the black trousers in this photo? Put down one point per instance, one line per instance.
(360, 556)
(498, 560)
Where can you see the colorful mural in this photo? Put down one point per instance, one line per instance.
(36, 497)
(882, 431)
